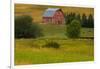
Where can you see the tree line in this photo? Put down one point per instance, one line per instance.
(86, 21)
(26, 28)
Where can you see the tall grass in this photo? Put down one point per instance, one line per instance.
(69, 51)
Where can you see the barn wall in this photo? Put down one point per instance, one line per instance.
(58, 17)
(47, 19)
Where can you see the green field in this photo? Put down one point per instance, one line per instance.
(30, 51)
(60, 30)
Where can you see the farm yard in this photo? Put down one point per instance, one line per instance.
(30, 51)
(42, 38)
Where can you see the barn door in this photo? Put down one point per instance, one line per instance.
(59, 22)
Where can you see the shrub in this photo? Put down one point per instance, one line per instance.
(73, 29)
(52, 45)
(25, 28)
(35, 31)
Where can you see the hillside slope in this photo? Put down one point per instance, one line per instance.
(36, 11)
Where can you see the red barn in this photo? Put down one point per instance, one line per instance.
(54, 16)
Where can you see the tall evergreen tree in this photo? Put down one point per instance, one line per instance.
(69, 17)
(90, 21)
(84, 20)
(78, 17)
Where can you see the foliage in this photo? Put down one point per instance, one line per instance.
(73, 29)
(78, 17)
(35, 31)
(69, 17)
(84, 20)
(25, 28)
(52, 44)
(87, 21)
(90, 21)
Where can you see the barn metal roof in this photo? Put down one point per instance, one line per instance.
(50, 12)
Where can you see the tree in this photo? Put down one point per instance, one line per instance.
(78, 17)
(25, 28)
(73, 29)
(90, 21)
(87, 21)
(35, 31)
(84, 21)
(69, 17)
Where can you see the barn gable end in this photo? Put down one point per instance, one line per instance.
(53, 15)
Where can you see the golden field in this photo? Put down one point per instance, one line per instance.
(36, 11)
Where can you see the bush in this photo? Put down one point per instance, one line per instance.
(52, 45)
(35, 31)
(73, 29)
(25, 28)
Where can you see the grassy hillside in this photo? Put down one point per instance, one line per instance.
(31, 51)
(59, 31)
(36, 11)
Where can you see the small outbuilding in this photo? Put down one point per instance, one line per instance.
(53, 16)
